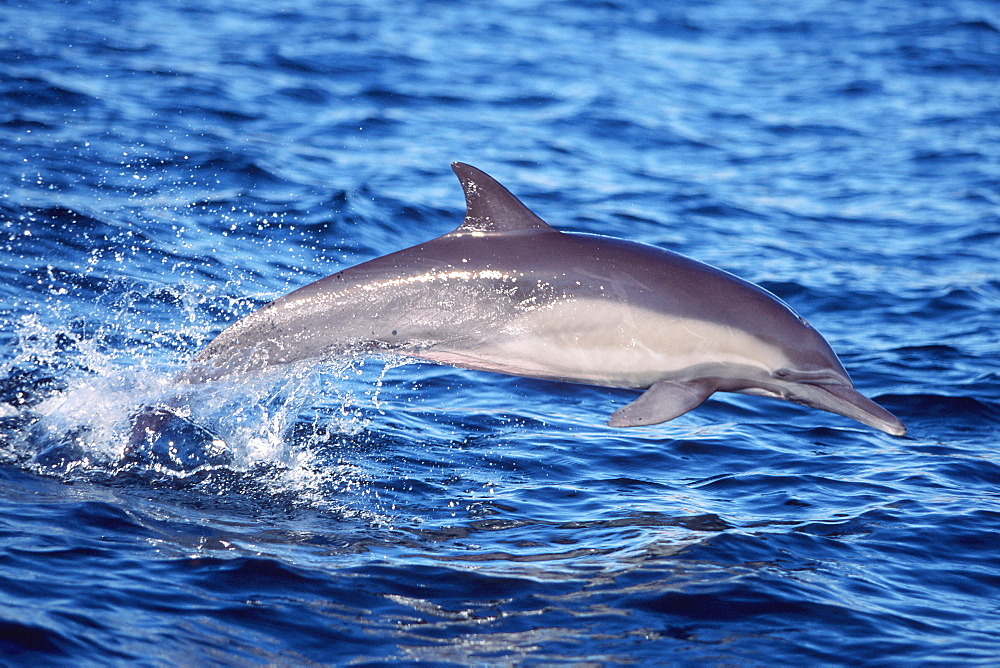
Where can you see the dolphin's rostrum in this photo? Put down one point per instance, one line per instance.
(505, 292)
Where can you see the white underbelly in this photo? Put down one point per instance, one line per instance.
(602, 342)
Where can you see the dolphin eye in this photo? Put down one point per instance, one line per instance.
(782, 373)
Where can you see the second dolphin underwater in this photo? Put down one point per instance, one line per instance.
(506, 292)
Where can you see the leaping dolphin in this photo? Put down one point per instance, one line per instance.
(505, 292)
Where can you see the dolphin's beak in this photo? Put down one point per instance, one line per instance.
(845, 400)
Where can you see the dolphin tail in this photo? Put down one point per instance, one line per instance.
(147, 425)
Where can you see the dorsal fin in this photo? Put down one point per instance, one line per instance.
(492, 209)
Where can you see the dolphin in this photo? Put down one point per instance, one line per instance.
(505, 292)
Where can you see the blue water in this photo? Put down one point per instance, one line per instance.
(169, 165)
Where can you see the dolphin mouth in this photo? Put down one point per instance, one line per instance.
(845, 400)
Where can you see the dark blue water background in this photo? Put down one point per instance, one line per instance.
(166, 166)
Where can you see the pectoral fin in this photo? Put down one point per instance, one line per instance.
(663, 401)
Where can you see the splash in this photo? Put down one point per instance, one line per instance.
(68, 407)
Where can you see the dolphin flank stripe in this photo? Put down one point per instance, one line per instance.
(508, 293)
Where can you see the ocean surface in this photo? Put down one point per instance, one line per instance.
(167, 166)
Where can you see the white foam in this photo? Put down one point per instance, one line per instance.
(254, 427)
